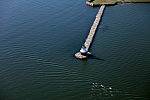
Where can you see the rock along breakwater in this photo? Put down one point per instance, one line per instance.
(91, 35)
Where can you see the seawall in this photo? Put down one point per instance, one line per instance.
(113, 3)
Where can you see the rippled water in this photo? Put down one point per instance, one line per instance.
(39, 38)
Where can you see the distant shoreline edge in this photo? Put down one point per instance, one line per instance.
(112, 4)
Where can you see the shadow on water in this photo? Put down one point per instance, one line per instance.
(96, 58)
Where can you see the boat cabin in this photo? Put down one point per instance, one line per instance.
(83, 50)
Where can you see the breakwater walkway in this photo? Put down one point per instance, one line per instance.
(92, 32)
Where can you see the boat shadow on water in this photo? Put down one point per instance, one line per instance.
(96, 58)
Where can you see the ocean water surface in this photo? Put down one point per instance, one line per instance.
(38, 40)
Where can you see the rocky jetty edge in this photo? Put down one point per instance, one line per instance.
(95, 3)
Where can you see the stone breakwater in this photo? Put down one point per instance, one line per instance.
(92, 32)
(95, 5)
(89, 3)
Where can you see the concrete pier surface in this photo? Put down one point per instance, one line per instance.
(91, 35)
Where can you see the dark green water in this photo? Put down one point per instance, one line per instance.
(38, 39)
